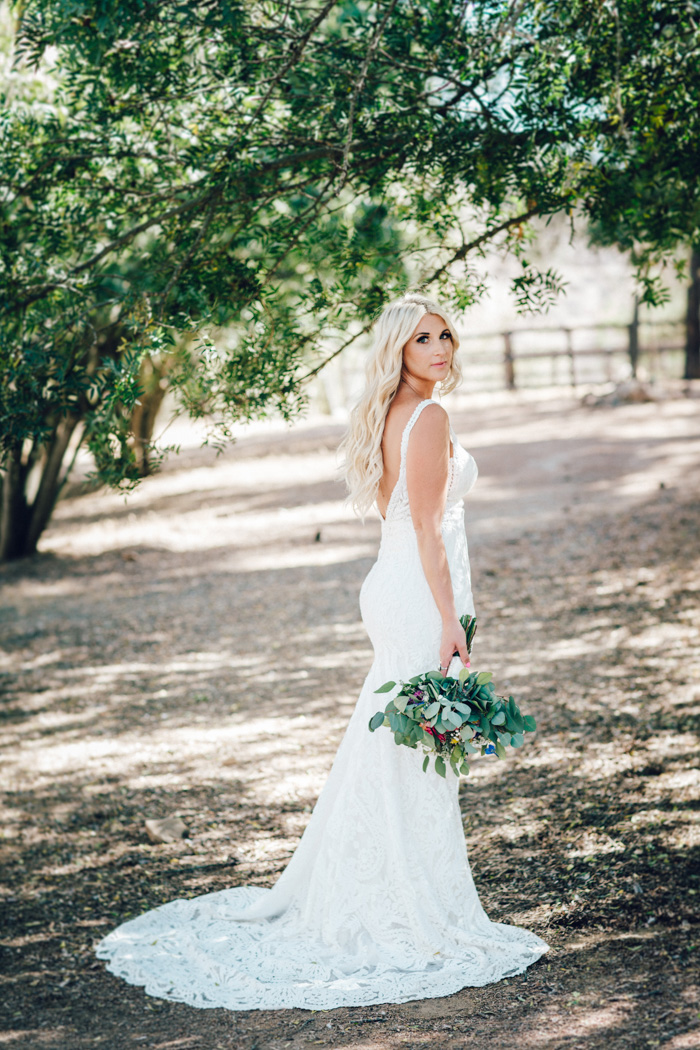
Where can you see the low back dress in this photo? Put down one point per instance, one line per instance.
(377, 904)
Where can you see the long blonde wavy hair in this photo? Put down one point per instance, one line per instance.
(363, 464)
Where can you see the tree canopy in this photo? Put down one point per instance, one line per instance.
(238, 186)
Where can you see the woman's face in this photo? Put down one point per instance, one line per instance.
(428, 353)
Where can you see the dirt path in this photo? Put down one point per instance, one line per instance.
(152, 649)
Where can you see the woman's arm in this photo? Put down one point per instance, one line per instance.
(427, 476)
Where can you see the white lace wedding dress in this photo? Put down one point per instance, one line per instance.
(377, 904)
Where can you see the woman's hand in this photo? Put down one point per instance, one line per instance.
(454, 640)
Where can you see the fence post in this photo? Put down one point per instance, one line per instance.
(570, 352)
(633, 336)
(508, 361)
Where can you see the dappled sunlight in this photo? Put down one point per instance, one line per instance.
(168, 660)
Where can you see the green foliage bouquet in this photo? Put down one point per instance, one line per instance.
(453, 718)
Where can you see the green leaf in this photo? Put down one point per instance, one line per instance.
(469, 748)
(453, 718)
(464, 708)
(386, 688)
(483, 677)
(431, 710)
(464, 769)
(416, 733)
(398, 737)
(426, 760)
(498, 719)
(376, 720)
(518, 740)
(529, 724)
(435, 676)
(500, 750)
(463, 675)
(440, 766)
(400, 702)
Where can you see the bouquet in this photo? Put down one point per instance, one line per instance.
(453, 718)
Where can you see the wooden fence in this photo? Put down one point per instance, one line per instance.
(637, 340)
(541, 355)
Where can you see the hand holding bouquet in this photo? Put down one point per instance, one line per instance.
(453, 718)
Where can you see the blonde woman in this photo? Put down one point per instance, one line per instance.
(377, 905)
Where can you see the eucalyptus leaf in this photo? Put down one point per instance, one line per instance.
(500, 750)
(440, 766)
(376, 720)
(386, 688)
(517, 740)
(529, 724)
(498, 719)
(426, 760)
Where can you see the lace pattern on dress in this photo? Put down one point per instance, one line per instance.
(377, 904)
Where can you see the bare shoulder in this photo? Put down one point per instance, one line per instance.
(433, 424)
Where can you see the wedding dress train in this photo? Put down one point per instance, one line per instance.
(377, 904)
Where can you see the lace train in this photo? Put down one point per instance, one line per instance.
(377, 903)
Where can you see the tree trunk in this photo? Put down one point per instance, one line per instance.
(633, 338)
(49, 486)
(21, 522)
(692, 321)
(143, 418)
(14, 512)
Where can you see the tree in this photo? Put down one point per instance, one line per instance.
(692, 319)
(276, 171)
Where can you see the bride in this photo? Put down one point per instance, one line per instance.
(377, 904)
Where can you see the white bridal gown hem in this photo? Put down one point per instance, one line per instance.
(377, 904)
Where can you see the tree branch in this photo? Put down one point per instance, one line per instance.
(360, 83)
(482, 239)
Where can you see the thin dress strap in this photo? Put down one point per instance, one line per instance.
(397, 507)
(408, 428)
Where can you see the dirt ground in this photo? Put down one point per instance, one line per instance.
(198, 649)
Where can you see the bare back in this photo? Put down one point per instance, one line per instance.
(400, 411)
